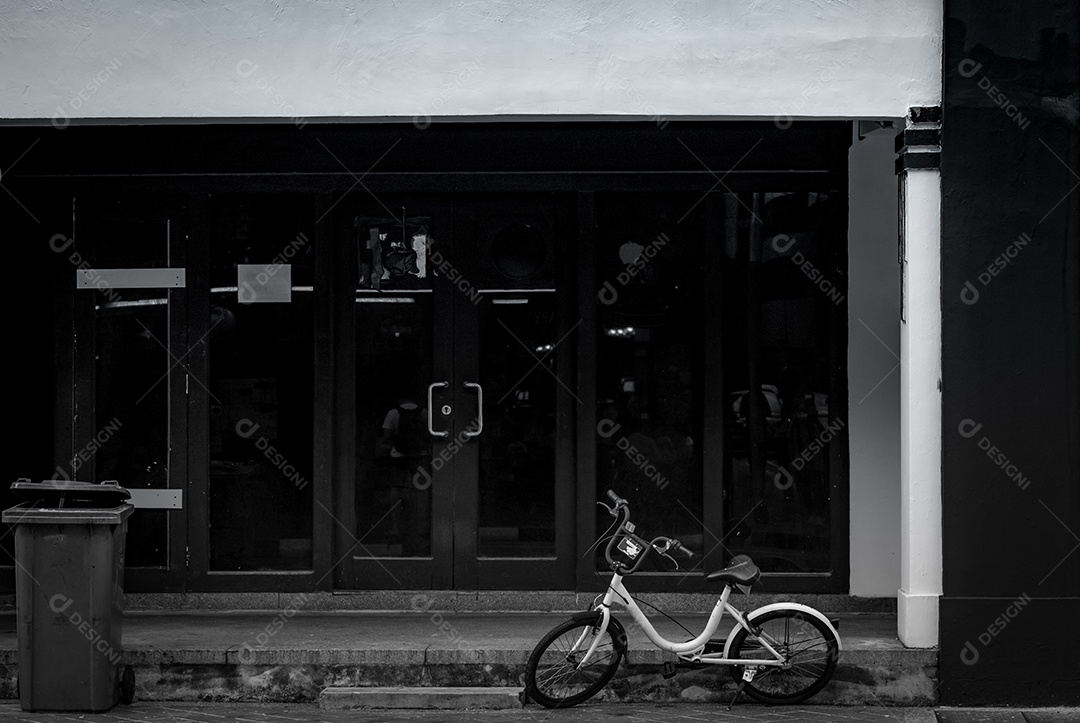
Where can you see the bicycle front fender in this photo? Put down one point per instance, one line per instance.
(618, 633)
(804, 609)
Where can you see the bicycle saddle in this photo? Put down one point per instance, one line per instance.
(741, 571)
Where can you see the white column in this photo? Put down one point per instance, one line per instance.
(920, 400)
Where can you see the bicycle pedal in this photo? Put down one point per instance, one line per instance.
(835, 622)
(667, 670)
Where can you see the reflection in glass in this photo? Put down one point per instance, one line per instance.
(261, 383)
(134, 371)
(649, 383)
(394, 475)
(131, 438)
(517, 447)
(781, 292)
(260, 434)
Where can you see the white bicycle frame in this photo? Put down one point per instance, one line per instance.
(692, 650)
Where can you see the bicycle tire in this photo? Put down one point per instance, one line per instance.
(552, 678)
(813, 649)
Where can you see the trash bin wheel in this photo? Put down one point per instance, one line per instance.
(127, 685)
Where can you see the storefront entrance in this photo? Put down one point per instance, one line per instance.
(463, 392)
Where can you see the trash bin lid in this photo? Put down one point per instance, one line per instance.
(70, 493)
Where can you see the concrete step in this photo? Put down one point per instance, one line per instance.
(287, 655)
(442, 698)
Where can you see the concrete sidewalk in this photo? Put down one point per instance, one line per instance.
(270, 656)
(250, 636)
(268, 636)
(254, 637)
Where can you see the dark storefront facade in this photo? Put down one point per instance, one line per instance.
(541, 311)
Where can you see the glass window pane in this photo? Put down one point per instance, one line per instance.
(780, 294)
(649, 379)
(394, 474)
(131, 437)
(393, 313)
(133, 373)
(131, 244)
(517, 448)
(261, 389)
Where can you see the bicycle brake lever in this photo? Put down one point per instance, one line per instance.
(610, 510)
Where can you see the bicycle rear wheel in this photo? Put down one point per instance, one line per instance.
(809, 647)
(554, 677)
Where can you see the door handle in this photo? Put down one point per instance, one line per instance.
(479, 409)
(431, 409)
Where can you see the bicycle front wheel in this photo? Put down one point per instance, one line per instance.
(555, 676)
(809, 648)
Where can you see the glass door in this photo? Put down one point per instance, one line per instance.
(394, 520)
(460, 340)
(515, 343)
(131, 381)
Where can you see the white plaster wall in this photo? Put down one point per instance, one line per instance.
(873, 365)
(378, 58)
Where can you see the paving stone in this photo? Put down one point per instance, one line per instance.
(981, 715)
(147, 712)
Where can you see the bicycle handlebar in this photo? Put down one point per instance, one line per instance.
(626, 530)
(679, 547)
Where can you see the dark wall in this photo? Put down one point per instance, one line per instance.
(29, 325)
(1010, 614)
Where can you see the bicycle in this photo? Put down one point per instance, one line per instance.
(782, 653)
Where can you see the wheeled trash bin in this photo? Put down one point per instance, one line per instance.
(69, 594)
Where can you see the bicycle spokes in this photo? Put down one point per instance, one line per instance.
(807, 649)
(559, 674)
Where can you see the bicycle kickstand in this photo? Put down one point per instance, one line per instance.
(737, 692)
(747, 676)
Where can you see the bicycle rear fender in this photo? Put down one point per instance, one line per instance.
(805, 609)
(618, 633)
